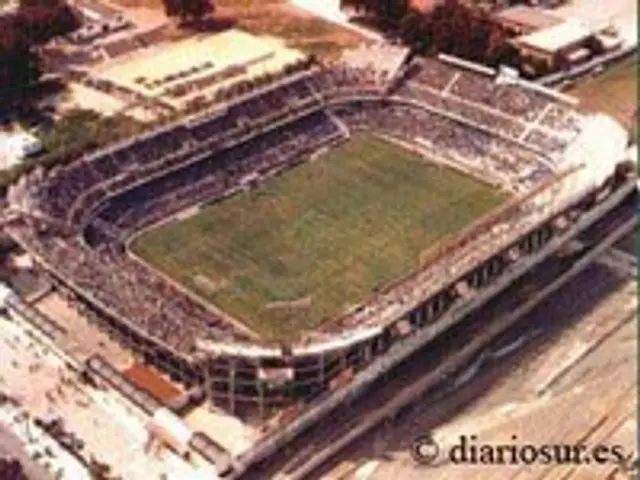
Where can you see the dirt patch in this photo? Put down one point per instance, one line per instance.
(299, 28)
(149, 379)
(145, 14)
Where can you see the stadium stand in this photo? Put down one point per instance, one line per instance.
(77, 219)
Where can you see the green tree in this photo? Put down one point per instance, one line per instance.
(188, 10)
(35, 22)
(19, 65)
(41, 20)
(414, 30)
(387, 13)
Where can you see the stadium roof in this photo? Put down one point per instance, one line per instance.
(527, 17)
(557, 37)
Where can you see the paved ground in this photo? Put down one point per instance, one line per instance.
(574, 382)
(329, 10)
(40, 455)
(12, 446)
(113, 431)
(81, 340)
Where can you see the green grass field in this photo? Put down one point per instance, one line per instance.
(614, 91)
(320, 237)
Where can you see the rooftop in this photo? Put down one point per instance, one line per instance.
(16, 145)
(528, 17)
(217, 60)
(557, 37)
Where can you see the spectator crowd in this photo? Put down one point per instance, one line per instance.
(88, 209)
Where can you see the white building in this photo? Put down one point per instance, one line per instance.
(15, 146)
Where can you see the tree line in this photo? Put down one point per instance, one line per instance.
(449, 27)
(386, 13)
(32, 24)
(188, 11)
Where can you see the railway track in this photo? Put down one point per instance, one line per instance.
(430, 370)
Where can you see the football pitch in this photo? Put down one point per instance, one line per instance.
(317, 239)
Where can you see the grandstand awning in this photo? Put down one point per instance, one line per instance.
(339, 342)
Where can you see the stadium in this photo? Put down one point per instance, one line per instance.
(270, 249)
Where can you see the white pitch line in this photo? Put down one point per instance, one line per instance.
(449, 86)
